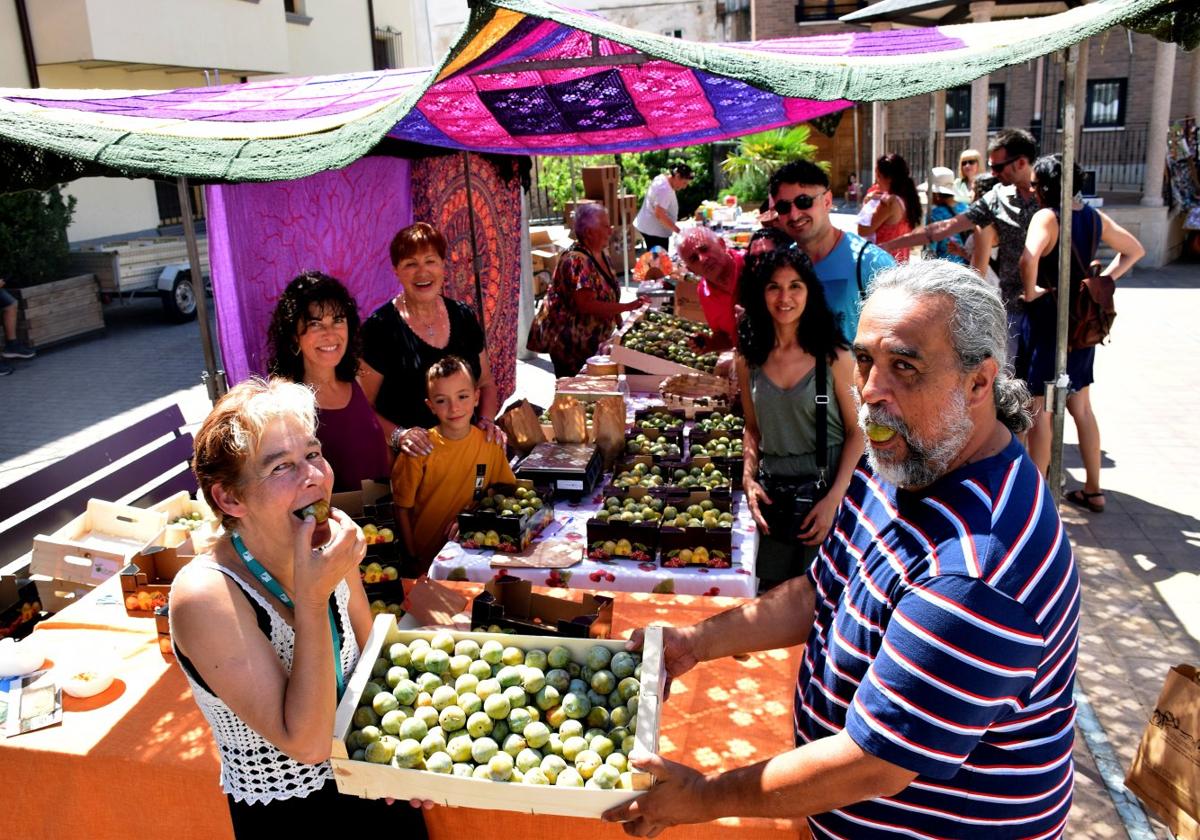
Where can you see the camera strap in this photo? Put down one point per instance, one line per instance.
(822, 421)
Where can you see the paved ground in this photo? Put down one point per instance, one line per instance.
(1139, 561)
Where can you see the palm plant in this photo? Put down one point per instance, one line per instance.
(759, 155)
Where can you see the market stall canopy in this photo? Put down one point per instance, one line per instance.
(525, 77)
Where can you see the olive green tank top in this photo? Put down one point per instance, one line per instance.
(787, 425)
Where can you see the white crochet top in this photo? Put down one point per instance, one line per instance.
(252, 769)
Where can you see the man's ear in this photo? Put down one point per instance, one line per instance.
(227, 501)
(980, 382)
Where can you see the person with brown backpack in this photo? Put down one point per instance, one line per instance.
(1091, 314)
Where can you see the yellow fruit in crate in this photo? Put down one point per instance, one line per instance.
(491, 539)
(386, 535)
(374, 567)
(369, 530)
(372, 577)
(685, 555)
(377, 607)
(624, 547)
(391, 573)
(700, 555)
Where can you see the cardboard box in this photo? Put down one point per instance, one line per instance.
(591, 388)
(377, 781)
(545, 259)
(512, 533)
(20, 606)
(687, 300)
(597, 180)
(511, 603)
(569, 210)
(372, 505)
(90, 549)
(677, 547)
(148, 576)
(678, 419)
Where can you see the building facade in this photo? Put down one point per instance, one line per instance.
(167, 44)
(1123, 129)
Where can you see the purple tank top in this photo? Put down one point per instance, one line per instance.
(353, 442)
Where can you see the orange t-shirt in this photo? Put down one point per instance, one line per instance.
(438, 486)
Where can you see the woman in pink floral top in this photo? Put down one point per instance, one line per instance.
(582, 307)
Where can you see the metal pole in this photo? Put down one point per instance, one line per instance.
(1056, 392)
(475, 261)
(622, 217)
(858, 167)
(214, 377)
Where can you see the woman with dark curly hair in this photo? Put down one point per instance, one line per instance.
(314, 340)
(787, 341)
(899, 209)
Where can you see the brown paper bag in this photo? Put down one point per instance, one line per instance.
(569, 419)
(608, 422)
(521, 425)
(1166, 770)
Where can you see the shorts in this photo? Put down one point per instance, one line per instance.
(6, 300)
(1040, 339)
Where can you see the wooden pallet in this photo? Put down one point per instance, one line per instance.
(60, 310)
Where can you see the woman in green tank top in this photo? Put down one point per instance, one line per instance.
(785, 330)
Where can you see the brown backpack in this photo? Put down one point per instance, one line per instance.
(1092, 309)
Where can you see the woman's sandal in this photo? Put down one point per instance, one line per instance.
(1084, 500)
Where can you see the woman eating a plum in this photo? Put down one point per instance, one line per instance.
(793, 366)
(269, 624)
(314, 339)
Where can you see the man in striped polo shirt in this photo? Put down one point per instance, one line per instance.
(934, 696)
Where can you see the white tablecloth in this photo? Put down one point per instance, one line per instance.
(454, 562)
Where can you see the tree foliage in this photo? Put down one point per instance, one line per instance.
(33, 236)
(638, 169)
(759, 155)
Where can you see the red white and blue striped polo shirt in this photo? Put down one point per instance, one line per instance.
(944, 642)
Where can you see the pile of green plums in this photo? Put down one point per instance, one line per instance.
(496, 712)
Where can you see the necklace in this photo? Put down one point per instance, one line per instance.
(413, 321)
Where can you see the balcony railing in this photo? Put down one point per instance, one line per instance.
(1117, 156)
(810, 11)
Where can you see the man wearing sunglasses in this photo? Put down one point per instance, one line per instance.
(844, 261)
(1009, 206)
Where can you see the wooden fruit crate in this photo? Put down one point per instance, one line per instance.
(57, 311)
(377, 781)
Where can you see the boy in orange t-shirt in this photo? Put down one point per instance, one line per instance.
(429, 491)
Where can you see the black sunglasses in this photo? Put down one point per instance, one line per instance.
(801, 202)
(999, 165)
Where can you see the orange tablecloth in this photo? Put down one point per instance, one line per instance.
(138, 760)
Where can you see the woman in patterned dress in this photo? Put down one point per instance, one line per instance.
(582, 307)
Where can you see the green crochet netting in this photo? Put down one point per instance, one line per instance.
(38, 148)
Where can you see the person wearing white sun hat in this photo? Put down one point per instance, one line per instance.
(944, 204)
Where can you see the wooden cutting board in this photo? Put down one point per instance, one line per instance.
(545, 554)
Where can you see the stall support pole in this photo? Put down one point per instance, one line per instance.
(623, 219)
(1056, 391)
(213, 377)
(475, 261)
(858, 167)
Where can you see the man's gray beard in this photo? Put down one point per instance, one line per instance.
(928, 460)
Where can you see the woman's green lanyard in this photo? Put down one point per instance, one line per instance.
(275, 589)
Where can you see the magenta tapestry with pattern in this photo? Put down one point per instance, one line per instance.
(439, 196)
(260, 236)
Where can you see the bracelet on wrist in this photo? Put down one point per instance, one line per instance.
(394, 439)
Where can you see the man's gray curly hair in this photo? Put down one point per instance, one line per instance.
(978, 327)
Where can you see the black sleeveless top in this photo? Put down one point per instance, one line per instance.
(391, 347)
